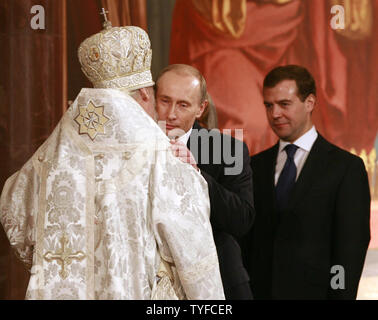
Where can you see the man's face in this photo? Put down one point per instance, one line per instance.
(287, 115)
(178, 100)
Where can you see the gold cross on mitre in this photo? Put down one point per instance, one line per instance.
(104, 12)
(107, 24)
(64, 256)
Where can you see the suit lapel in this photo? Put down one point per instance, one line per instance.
(311, 170)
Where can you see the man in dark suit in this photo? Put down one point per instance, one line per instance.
(221, 159)
(312, 200)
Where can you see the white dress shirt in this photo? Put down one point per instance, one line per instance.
(304, 144)
(185, 137)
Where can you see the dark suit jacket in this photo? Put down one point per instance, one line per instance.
(326, 224)
(231, 203)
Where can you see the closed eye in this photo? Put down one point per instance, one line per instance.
(164, 100)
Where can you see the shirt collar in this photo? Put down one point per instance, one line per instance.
(185, 137)
(304, 142)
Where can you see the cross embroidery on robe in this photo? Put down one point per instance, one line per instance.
(64, 256)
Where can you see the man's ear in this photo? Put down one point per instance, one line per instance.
(144, 94)
(202, 108)
(310, 102)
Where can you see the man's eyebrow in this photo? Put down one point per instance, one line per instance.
(164, 96)
(279, 101)
(184, 101)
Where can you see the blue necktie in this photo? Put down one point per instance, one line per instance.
(287, 177)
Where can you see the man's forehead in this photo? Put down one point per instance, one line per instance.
(179, 82)
(182, 75)
(284, 89)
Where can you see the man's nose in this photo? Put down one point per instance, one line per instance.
(172, 112)
(276, 111)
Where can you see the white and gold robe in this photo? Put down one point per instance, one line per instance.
(101, 201)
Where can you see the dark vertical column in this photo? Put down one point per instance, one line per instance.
(159, 18)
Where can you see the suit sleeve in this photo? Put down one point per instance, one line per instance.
(351, 228)
(231, 199)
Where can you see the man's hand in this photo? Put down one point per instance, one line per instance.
(183, 153)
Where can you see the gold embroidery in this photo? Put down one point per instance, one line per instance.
(91, 120)
(89, 222)
(41, 227)
(64, 256)
(94, 54)
(118, 57)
